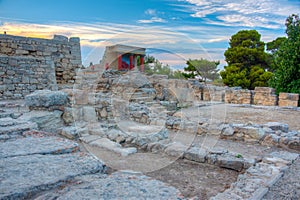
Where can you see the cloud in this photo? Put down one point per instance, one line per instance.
(152, 20)
(150, 12)
(249, 13)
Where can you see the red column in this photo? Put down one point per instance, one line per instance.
(142, 63)
(119, 61)
(131, 62)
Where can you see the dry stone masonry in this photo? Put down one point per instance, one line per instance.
(60, 53)
(265, 96)
(20, 76)
(288, 100)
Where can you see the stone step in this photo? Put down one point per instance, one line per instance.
(42, 145)
(107, 144)
(10, 128)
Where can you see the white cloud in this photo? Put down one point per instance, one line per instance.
(152, 20)
(150, 12)
(249, 13)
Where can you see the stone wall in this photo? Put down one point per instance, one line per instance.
(65, 53)
(238, 96)
(193, 90)
(288, 99)
(20, 76)
(265, 96)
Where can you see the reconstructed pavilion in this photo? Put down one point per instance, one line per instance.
(123, 57)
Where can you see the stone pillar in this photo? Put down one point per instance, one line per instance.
(142, 63)
(131, 62)
(119, 61)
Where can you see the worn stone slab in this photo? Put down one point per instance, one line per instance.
(89, 138)
(46, 99)
(73, 132)
(23, 176)
(285, 155)
(12, 128)
(196, 154)
(7, 121)
(230, 162)
(37, 145)
(46, 121)
(176, 149)
(113, 146)
(277, 126)
(119, 185)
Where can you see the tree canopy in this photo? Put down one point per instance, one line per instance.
(154, 66)
(247, 61)
(287, 59)
(203, 68)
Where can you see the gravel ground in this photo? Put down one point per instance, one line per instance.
(288, 187)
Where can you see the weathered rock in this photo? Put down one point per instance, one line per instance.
(113, 146)
(230, 162)
(119, 185)
(46, 121)
(73, 132)
(24, 176)
(42, 145)
(252, 133)
(257, 179)
(11, 128)
(277, 126)
(196, 154)
(68, 116)
(218, 151)
(46, 99)
(89, 114)
(288, 156)
(89, 138)
(176, 149)
(113, 134)
(227, 131)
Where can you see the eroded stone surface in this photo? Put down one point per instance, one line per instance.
(37, 145)
(119, 185)
(23, 176)
(46, 99)
(113, 146)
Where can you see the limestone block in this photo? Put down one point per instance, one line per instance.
(113, 146)
(277, 126)
(73, 132)
(196, 154)
(288, 99)
(46, 121)
(89, 114)
(176, 149)
(45, 99)
(230, 162)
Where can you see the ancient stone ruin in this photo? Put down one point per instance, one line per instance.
(81, 128)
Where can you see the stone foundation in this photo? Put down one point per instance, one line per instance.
(265, 96)
(288, 100)
(238, 96)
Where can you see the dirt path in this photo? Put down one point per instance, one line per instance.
(191, 178)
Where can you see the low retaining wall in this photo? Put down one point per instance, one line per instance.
(20, 76)
(288, 99)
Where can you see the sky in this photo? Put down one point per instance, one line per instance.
(171, 30)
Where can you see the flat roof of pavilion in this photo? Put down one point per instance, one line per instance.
(120, 48)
